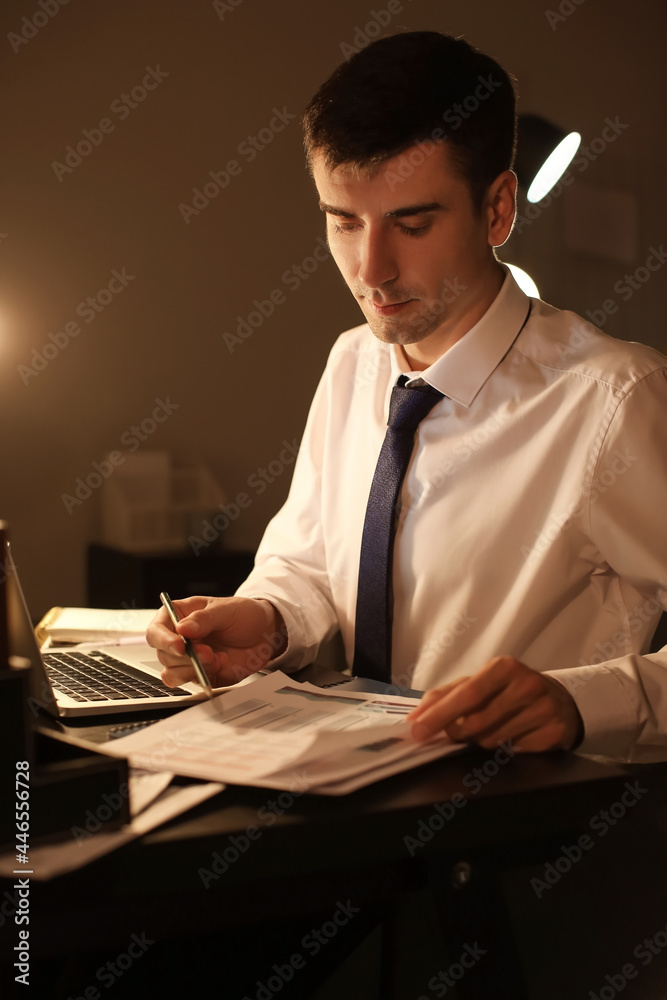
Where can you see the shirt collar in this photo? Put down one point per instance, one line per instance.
(462, 370)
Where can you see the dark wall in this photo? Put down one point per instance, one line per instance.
(223, 70)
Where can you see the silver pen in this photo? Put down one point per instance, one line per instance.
(189, 648)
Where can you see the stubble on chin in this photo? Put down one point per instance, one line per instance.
(401, 331)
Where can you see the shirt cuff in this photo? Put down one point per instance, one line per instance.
(606, 708)
(299, 652)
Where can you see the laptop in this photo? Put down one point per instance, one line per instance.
(104, 681)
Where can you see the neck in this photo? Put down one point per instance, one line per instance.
(468, 311)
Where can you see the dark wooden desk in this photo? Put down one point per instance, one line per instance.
(320, 851)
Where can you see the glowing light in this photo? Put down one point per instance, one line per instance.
(524, 281)
(554, 167)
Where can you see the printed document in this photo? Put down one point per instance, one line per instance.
(275, 732)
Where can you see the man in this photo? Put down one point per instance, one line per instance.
(530, 548)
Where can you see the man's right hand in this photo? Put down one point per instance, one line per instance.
(232, 636)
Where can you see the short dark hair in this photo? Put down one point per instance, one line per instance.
(410, 88)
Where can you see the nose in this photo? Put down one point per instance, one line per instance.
(377, 262)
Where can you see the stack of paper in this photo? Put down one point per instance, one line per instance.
(277, 733)
(94, 624)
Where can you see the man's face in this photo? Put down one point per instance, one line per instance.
(410, 245)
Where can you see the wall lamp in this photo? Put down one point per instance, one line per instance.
(543, 154)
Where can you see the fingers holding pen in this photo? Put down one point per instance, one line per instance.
(232, 637)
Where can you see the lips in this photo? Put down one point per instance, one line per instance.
(390, 309)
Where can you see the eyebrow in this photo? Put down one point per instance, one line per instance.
(398, 213)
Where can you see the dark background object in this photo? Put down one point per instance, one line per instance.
(126, 580)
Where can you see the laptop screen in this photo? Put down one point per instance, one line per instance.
(22, 642)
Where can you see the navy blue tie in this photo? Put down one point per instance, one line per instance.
(372, 638)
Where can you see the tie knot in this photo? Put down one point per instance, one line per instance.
(410, 404)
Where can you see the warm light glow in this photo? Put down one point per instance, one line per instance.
(554, 167)
(524, 281)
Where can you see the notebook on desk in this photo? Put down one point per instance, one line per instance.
(67, 682)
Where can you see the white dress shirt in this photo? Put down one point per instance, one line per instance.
(533, 520)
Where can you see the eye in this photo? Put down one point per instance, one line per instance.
(348, 227)
(351, 227)
(414, 230)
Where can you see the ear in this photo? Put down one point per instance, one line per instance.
(500, 207)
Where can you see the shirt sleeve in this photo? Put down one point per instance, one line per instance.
(623, 700)
(290, 566)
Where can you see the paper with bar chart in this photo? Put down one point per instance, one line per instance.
(277, 733)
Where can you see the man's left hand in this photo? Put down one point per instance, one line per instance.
(505, 701)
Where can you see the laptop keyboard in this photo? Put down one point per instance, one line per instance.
(96, 676)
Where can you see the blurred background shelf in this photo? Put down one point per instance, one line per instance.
(126, 579)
